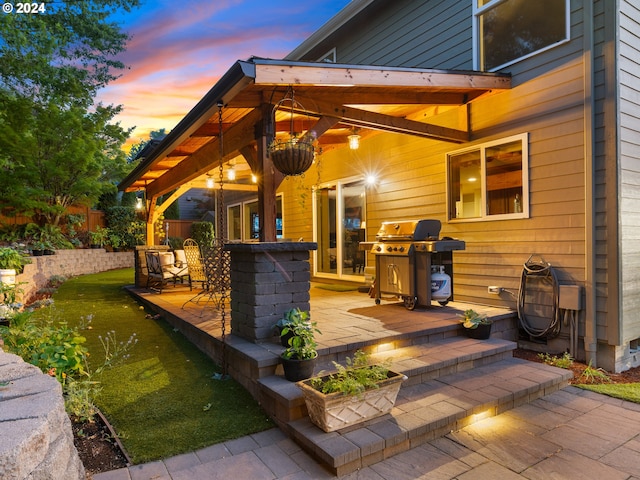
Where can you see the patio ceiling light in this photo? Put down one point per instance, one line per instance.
(354, 140)
(210, 182)
(231, 172)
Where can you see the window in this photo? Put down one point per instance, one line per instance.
(508, 30)
(329, 57)
(489, 181)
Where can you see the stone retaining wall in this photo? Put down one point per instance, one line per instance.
(36, 439)
(69, 263)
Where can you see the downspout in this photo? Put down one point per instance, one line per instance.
(591, 334)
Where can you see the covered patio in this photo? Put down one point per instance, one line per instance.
(233, 125)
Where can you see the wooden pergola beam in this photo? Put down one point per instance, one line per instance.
(388, 123)
(208, 157)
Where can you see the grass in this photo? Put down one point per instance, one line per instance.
(624, 391)
(162, 399)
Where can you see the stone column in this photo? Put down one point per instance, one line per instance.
(267, 279)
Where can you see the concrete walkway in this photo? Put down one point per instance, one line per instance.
(570, 434)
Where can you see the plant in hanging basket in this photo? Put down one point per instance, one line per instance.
(293, 156)
(353, 394)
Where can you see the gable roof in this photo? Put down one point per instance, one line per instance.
(337, 97)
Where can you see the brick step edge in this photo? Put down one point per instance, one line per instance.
(430, 410)
(418, 362)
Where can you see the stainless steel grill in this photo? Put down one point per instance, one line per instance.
(405, 251)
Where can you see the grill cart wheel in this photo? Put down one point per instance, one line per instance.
(443, 302)
(410, 302)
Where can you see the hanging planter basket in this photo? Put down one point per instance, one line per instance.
(292, 157)
(295, 155)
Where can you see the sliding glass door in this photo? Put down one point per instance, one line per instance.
(339, 221)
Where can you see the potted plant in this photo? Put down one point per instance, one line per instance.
(289, 317)
(353, 394)
(12, 263)
(98, 237)
(115, 240)
(476, 325)
(299, 357)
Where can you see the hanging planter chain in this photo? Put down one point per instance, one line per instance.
(221, 254)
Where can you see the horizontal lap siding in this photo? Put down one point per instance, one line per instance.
(426, 34)
(629, 195)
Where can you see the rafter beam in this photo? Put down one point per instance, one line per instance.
(378, 121)
(242, 133)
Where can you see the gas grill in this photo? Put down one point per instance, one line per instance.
(405, 252)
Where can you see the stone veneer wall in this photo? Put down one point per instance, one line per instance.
(267, 279)
(70, 263)
(36, 439)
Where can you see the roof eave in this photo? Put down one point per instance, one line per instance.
(235, 79)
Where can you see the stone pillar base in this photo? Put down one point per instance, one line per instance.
(267, 279)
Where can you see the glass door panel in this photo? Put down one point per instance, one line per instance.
(339, 214)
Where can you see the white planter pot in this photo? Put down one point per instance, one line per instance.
(8, 276)
(334, 411)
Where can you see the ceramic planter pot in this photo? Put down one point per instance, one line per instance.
(334, 411)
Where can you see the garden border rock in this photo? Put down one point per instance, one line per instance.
(36, 438)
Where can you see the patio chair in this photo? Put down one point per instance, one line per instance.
(161, 269)
(195, 266)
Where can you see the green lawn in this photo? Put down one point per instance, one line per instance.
(162, 399)
(624, 391)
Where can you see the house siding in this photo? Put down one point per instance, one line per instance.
(550, 100)
(406, 33)
(628, 72)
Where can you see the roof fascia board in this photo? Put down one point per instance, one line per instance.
(321, 74)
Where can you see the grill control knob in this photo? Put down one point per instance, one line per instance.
(389, 249)
(401, 249)
(378, 248)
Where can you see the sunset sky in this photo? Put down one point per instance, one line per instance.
(179, 50)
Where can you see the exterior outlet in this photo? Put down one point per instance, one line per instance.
(492, 290)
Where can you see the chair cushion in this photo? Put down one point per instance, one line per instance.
(166, 259)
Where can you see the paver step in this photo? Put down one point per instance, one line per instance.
(418, 362)
(428, 410)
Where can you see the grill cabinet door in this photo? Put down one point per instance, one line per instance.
(394, 274)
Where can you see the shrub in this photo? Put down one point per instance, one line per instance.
(203, 233)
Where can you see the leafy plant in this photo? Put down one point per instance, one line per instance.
(471, 319)
(291, 316)
(594, 375)
(99, 236)
(302, 343)
(59, 351)
(563, 361)
(11, 258)
(203, 233)
(357, 376)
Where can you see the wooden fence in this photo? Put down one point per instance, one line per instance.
(92, 218)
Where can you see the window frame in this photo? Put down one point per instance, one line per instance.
(482, 148)
(477, 38)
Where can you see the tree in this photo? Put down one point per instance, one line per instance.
(57, 147)
(66, 53)
(57, 156)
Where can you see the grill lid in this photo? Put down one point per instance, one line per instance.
(409, 230)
